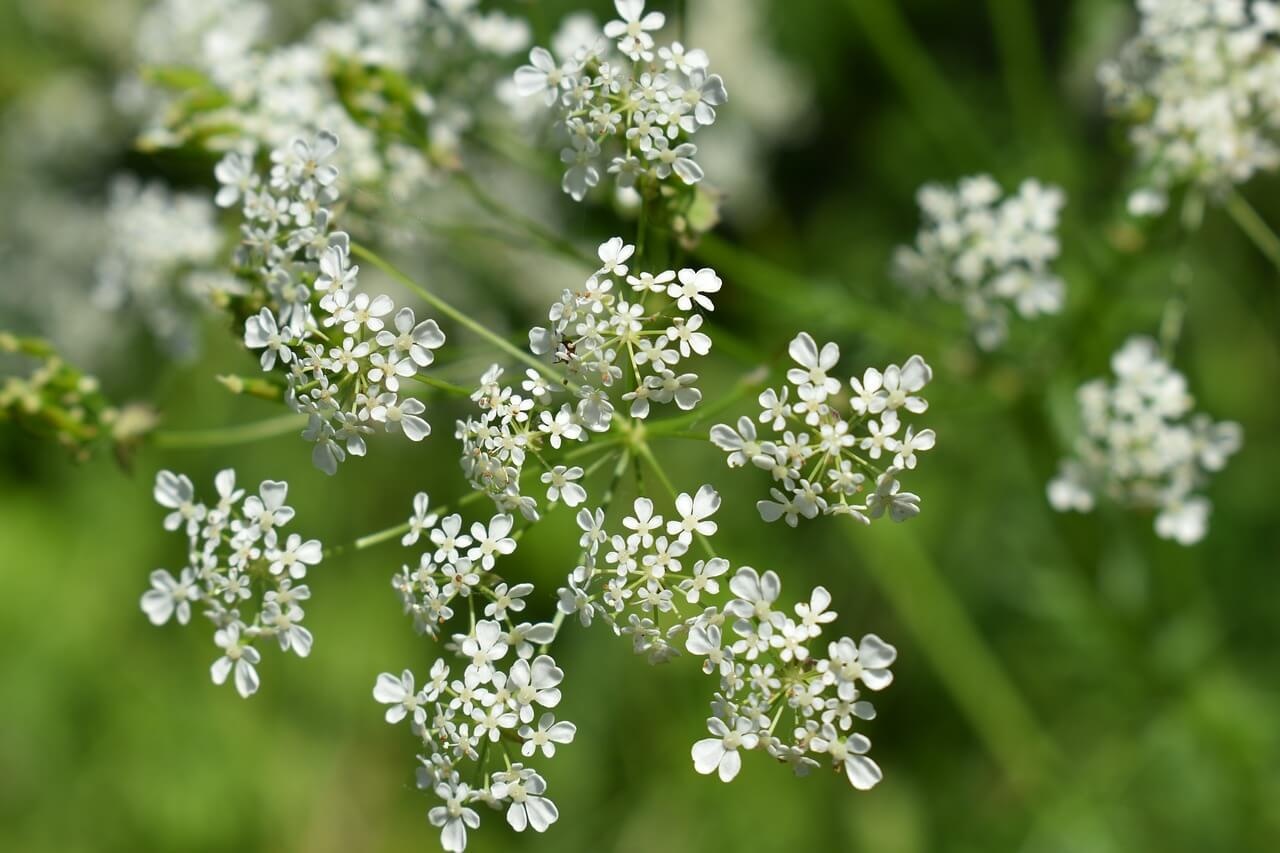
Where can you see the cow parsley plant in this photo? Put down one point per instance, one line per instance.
(987, 252)
(831, 451)
(1142, 444)
(344, 352)
(1200, 82)
(625, 106)
(244, 573)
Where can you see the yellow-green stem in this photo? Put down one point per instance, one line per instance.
(199, 439)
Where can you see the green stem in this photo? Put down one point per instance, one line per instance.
(824, 304)
(605, 500)
(471, 497)
(1019, 44)
(447, 387)
(911, 67)
(677, 425)
(965, 664)
(1254, 226)
(642, 449)
(198, 439)
(530, 226)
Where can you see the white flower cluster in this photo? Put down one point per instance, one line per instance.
(503, 697)
(1201, 81)
(821, 457)
(389, 78)
(769, 670)
(1141, 445)
(621, 102)
(243, 571)
(624, 330)
(159, 251)
(986, 252)
(637, 580)
(346, 379)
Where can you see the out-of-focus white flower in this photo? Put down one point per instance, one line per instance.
(1140, 444)
(987, 253)
(1201, 83)
(618, 107)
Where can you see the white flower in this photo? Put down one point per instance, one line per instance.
(719, 754)
(507, 600)
(237, 655)
(1198, 81)
(617, 105)
(235, 554)
(400, 694)
(695, 513)
(261, 332)
(985, 253)
(266, 510)
(902, 385)
(421, 519)
(176, 492)
(412, 338)
(295, 556)
(541, 77)
(848, 663)
(755, 593)
(889, 497)
(1141, 444)
(849, 754)
(814, 364)
(483, 647)
(693, 286)
(814, 613)
(642, 522)
(546, 736)
(492, 541)
(742, 445)
(634, 28)
(562, 486)
(911, 444)
(236, 174)
(534, 683)
(1184, 520)
(1070, 490)
(453, 818)
(168, 596)
(613, 254)
(528, 809)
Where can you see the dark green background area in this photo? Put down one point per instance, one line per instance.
(1064, 683)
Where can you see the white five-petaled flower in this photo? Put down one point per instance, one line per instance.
(237, 656)
(720, 753)
(404, 699)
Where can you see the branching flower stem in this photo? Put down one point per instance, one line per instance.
(624, 458)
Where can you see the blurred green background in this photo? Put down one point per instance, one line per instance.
(1064, 683)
